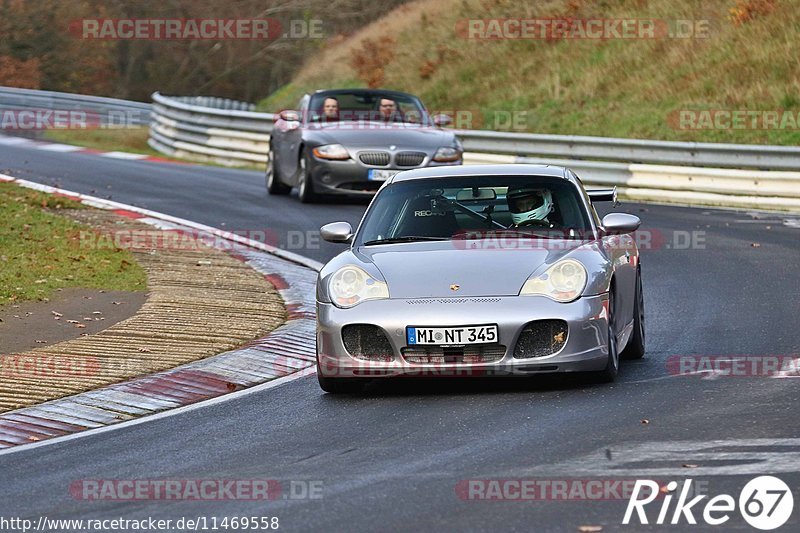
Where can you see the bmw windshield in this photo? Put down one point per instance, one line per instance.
(362, 106)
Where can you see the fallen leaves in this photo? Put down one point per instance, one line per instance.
(645, 421)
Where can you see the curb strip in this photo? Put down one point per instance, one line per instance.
(286, 350)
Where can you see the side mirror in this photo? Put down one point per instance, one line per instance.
(442, 120)
(618, 223)
(341, 232)
(289, 116)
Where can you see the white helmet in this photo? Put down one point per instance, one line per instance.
(529, 203)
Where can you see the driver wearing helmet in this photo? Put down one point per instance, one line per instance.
(529, 206)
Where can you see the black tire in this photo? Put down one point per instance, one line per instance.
(609, 373)
(305, 186)
(274, 183)
(338, 385)
(635, 348)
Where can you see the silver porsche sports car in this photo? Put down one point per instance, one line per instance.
(476, 271)
(349, 141)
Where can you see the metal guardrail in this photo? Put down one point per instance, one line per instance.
(215, 102)
(644, 170)
(112, 111)
(190, 116)
(224, 135)
(716, 155)
(231, 133)
(742, 188)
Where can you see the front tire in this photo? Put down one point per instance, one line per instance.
(274, 183)
(305, 186)
(337, 385)
(609, 373)
(635, 347)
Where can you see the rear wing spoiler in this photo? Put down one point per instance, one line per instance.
(603, 195)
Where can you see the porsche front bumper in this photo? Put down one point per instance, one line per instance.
(585, 348)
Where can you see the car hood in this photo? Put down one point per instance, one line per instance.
(380, 135)
(429, 269)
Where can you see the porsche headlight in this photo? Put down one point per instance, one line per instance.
(350, 286)
(562, 282)
(447, 154)
(331, 151)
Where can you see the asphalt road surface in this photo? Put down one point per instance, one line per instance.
(410, 455)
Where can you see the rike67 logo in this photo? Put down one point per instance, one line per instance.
(765, 503)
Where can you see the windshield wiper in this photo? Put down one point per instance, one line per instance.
(405, 238)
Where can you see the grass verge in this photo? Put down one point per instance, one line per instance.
(41, 251)
(131, 140)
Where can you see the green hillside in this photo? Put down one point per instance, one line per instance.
(747, 61)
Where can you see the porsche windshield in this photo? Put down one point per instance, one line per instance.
(473, 207)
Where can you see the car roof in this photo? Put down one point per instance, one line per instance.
(460, 171)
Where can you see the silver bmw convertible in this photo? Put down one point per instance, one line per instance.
(347, 142)
(480, 271)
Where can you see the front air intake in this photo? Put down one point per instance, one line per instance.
(367, 342)
(471, 353)
(541, 338)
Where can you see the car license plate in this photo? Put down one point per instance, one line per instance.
(455, 335)
(378, 174)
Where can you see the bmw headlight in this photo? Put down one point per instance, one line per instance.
(562, 282)
(350, 286)
(447, 154)
(331, 151)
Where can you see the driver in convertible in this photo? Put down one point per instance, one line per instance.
(330, 109)
(388, 112)
(529, 206)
